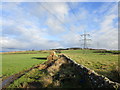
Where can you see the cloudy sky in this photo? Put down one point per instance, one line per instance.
(46, 25)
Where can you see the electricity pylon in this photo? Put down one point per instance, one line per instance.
(85, 39)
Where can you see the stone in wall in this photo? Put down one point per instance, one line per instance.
(66, 69)
(95, 80)
(52, 56)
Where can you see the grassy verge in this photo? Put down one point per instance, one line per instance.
(24, 81)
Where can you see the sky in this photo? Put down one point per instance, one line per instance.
(48, 25)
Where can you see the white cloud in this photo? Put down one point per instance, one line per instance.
(38, 43)
(36, 28)
(59, 10)
(30, 35)
(107, 35)
(60, 0)
(9, 43)
(71, 39)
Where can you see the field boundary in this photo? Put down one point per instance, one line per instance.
(95, 80)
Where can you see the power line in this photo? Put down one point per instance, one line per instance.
(85, 44)
(83, 35)
(54, 16)
(72, 10)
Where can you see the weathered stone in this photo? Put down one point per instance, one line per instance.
(55, 57)
(50, 58)
(94, 80)
(90, 71)
(56, 83)
(51, 74)
(42, 67)
(52, 53)
(47, 80)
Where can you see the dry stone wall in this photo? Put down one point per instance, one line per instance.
(95, 80)
(90, 78)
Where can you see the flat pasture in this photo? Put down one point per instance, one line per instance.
(14, 63)
(103, 63)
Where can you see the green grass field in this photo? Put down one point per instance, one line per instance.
(14, 63)
(104, 64)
